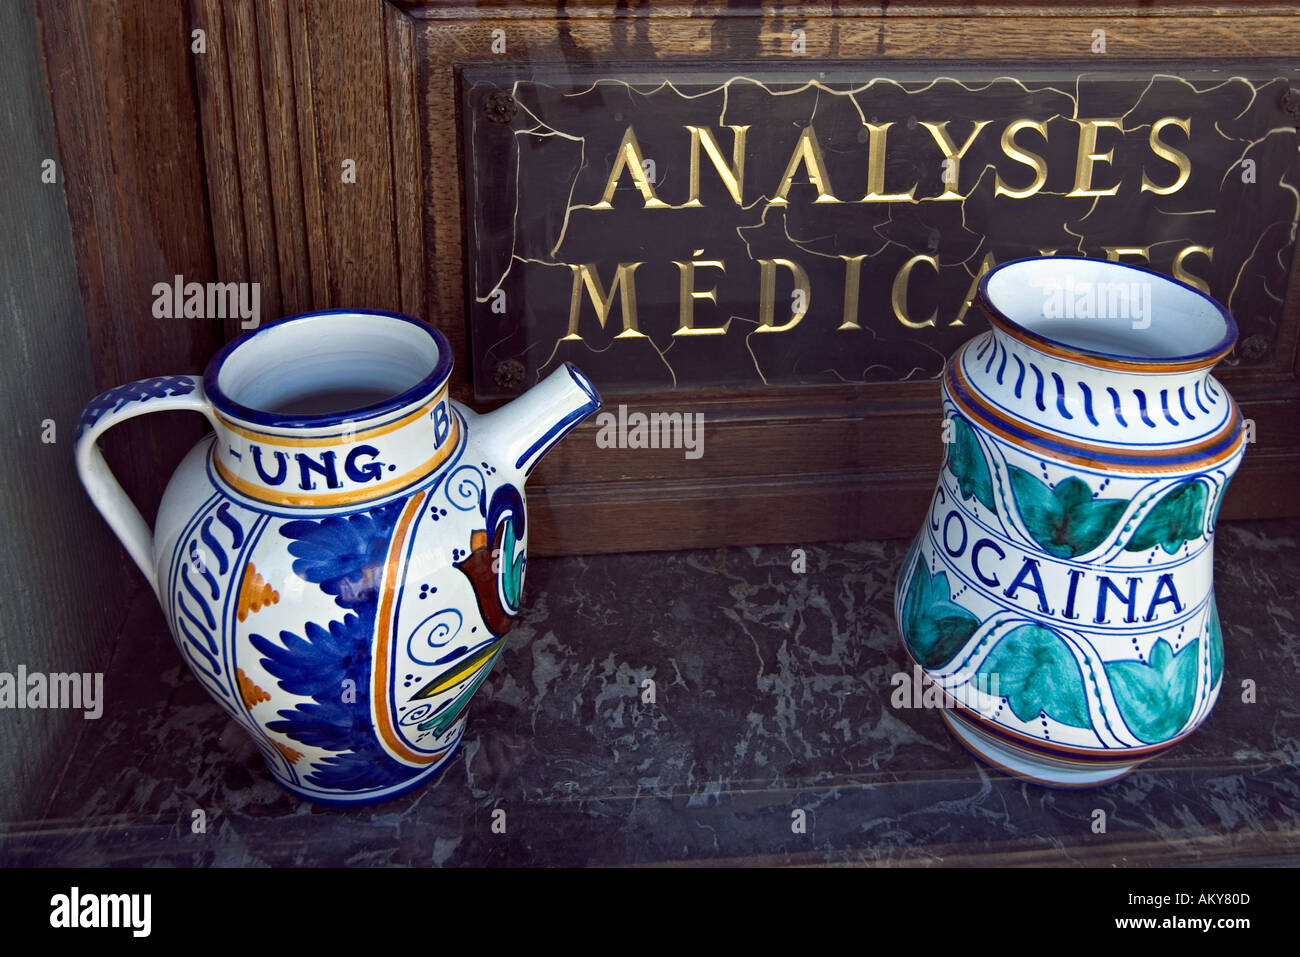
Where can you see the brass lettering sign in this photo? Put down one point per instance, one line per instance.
(684, 231)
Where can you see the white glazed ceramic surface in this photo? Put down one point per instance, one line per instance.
(1061, 592)
(340, 560)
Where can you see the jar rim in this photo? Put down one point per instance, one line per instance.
(1221, 326)
(218, 391)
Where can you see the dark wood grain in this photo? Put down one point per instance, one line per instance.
(122, 94)
(242, 50)
(282, 158)
(291, 89)
(643, 9)
(217, 124)
(827, 462)
(404, 133)
(350, 106)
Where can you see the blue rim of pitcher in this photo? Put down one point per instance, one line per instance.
(422, 389)
(1180, 363)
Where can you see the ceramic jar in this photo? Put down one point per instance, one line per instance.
(1060, 594)
(340, 560)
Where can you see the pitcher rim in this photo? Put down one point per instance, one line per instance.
(231, 409)
(1205, 358)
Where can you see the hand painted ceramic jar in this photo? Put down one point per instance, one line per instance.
(1060, 593)
(340, 560)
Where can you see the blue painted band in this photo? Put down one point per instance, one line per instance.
(231, 409)
(971, 405)
(577, 415)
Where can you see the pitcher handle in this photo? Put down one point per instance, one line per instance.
(159, 394)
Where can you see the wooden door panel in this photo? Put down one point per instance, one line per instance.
(314, 148)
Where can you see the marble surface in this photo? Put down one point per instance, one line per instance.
(771, 704)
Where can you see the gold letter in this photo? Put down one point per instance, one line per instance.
(852, 274)
(1114, 252)
(767, 295)
(898, 297)
(1032, 160)
(1088, 155)
(624, 283)
(1167, 152)
(807, 152)
(950, 151)
(876, 169)
(629, 157)
(686, 310)
(985, 266)
(733, 177)
(1183, 275)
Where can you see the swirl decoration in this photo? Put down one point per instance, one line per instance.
(465, 488)
(433, 634)
(416, 714)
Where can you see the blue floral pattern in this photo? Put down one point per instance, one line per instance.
(345, 556)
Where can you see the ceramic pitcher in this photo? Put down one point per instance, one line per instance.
(1061, 592)
(340, 560)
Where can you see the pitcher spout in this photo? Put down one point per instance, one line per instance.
(520, 433)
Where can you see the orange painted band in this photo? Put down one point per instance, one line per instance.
(1098, 361)
(1050, 440)
(1014, 772)
(383, 638)
(345, 497)
(277, 438)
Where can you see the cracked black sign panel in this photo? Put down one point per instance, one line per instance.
(686, 231)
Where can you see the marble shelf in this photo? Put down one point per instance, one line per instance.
(772, 695)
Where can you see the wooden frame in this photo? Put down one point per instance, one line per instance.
(286, 92)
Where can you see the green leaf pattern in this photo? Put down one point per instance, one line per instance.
(1156, 698)
(1035, 670)
(1066, 520)
(935, 627)
(1036, 673)
(1177, 519)
(966, 462)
